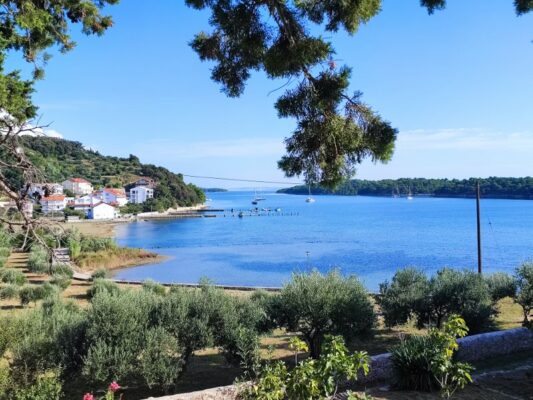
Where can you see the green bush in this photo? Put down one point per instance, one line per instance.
(317, 305)
(524, 283)
(5, 381)
(61, 281)
(310, 379)
(100, 273)
(12, 276)
(91, 244)
(425, 363)
(9, 292)
(431, 301)
(47, 387)
(102, 285)
(463, 293)
(50, 337)
(74, 249)
(34, 293)
(501, 285)
(154, 287)
(61, 269)
(39, 260)
(399, 299)
(120, 326)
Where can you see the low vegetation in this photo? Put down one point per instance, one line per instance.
(311, 379)
(429, 301)
(425, 363)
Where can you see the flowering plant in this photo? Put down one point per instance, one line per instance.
(110, 394)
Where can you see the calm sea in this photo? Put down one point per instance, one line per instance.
(367, 236)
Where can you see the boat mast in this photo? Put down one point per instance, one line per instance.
(478, 195)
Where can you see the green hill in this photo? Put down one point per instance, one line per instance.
(61, 159)
(493, 187)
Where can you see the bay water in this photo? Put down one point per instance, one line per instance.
(368, 236)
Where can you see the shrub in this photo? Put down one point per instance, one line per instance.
(154, 287)
(92, 244)
(399, 299)
(100, 273)
(61, 269)
(426, 363)
(316, 305)
(38, 260)
(47, 387)
(9, 292)
(119, 330)
(12, 276)
(501, 285)
(102, 285)
(74, 248)
(524, 283)
(465, 293)
(310, 379)
(49, 337)
(34, 293)
(61, 281)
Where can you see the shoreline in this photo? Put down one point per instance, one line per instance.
(131, 257)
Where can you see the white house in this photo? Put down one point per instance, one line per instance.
(54, 203)
(78, 186)
(41, 189)
(140, 194)
(102, 211)
(113, 196)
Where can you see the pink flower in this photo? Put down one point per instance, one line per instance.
(114, 386)
(88, 396)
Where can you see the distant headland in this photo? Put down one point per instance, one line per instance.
(493, 187)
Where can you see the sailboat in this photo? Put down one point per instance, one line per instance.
(309, 199)
(257, 198)
(410, 195)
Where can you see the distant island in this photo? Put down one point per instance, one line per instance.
(493, 187)
(214, 190)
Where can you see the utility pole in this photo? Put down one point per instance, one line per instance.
(478, 195)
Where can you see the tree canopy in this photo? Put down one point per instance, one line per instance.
(335, 129)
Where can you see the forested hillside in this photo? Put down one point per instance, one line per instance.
(493, 187)
(60, 159)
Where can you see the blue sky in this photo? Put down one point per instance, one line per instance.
(458, 85)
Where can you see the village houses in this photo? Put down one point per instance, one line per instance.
(140, 194)
(78, 186)
(53, 203)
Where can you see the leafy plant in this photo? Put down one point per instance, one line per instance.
(8, 292)
(12, 276)
(317, 305)
(102, 285)
(432, 301)
(425, 363)
(501, 285)
(309, 379)
(47, 387)
(38, 260)
(402, 296)
(153, 287)
(524, 283)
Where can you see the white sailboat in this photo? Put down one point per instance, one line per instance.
(410, 195)
(309, 199)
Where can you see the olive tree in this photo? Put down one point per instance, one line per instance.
(317, 305)
(524, 283)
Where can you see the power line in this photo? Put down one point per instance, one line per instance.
(241, 180)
